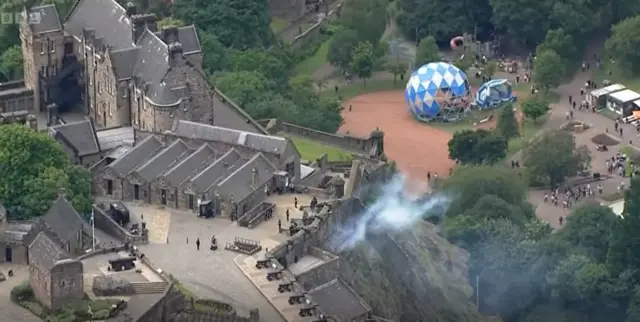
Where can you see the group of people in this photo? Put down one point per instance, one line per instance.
(571, 195)
(617, 164)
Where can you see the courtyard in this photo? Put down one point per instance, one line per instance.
(213, 274)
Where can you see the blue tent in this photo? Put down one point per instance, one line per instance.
(494, 93)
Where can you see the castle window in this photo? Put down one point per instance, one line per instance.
(41, 48)
(53, 47)
(42, 70)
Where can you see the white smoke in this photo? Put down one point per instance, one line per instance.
(393, 211)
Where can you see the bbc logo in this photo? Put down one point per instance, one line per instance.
(10, 18)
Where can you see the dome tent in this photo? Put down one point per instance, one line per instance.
(438, 91)
(494, 93)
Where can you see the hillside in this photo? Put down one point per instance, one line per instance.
(413, 276)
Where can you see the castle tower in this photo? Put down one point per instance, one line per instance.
(42, 49)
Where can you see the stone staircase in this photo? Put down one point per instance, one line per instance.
(149, 287)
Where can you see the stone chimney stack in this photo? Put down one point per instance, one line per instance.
(131, 9)
(140, 22)
(254, 177)
(337, 185)
(175, 52)
(170, 34)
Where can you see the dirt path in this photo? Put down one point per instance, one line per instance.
(416, 147)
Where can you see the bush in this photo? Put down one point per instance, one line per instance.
(212, 306)
(22, 292)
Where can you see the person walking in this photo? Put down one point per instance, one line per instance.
(198, 244)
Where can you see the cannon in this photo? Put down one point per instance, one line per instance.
(297, 299)
(285, 287)
(308, 311)
(277, 275)
(264, 263)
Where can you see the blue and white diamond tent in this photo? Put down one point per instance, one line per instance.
(438, 92)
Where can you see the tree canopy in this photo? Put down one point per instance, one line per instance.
(35, 171)
(477, 147)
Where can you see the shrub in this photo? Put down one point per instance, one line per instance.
(101, 315)
(22, 292)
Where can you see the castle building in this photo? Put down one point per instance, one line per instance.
(116, 65)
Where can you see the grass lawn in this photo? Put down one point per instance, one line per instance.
(310, 150)
(348, 91)
(616, 76)
(308, 66)
(278, 24)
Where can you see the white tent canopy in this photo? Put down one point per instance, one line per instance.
(606, 90)
(625, 96)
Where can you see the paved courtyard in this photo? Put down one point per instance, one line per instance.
(10, 311)
(212, 274)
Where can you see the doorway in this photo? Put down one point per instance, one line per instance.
(8, 254)
(163, 197)
(190, 201)
(136, 192)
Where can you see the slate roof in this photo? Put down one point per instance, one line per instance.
(45, 252)
(139, 154)
(80, 135)
(43, 19)
(207, 177)
(239, 183)
(124, 62)
(259, 142)
(164, 160)
(63, 220)
(339, 301)
(188, 167)
(17, 231)
(109, 139)
(188, 37)
(106, 17)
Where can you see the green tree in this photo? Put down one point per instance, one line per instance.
(215, 54)
(534, 107)
(427, 52)
(490, 68)
(633, 311)
(169, 21)
(11, 63)
(624, 246)
(368, 18)
(623, 43)
(362, 61)
(239, 24)
(341, 49)
(35, 169)
(559, 41)
(548, 70)
(588, 229)
(577, 279)
(507, 124)
(477, 147)
(271, 66)
(397, 68)
(523, 19)
(554, 156)
(242, 86)
(470, 184)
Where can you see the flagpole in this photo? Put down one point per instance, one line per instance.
(93, 230)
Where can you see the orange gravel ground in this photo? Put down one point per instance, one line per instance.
(416, 147)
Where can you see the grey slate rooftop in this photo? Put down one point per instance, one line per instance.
(79, 135)
(43, 19)
(138, 155)
(190, 166)
(164, 160)
(339, 301)
(111, 138)
(63, 220)
(259, 142)
(45, 252)
(207, 177)
(106, 17)
(239, 183)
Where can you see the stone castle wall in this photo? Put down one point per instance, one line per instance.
(366, 146)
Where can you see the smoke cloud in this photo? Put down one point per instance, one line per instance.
(394, 210)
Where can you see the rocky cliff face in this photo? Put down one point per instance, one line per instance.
(412, 276)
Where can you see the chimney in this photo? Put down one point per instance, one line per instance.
(170, 34)
(141, 22)
(175, 51)
(131, 9)
(254, 177)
